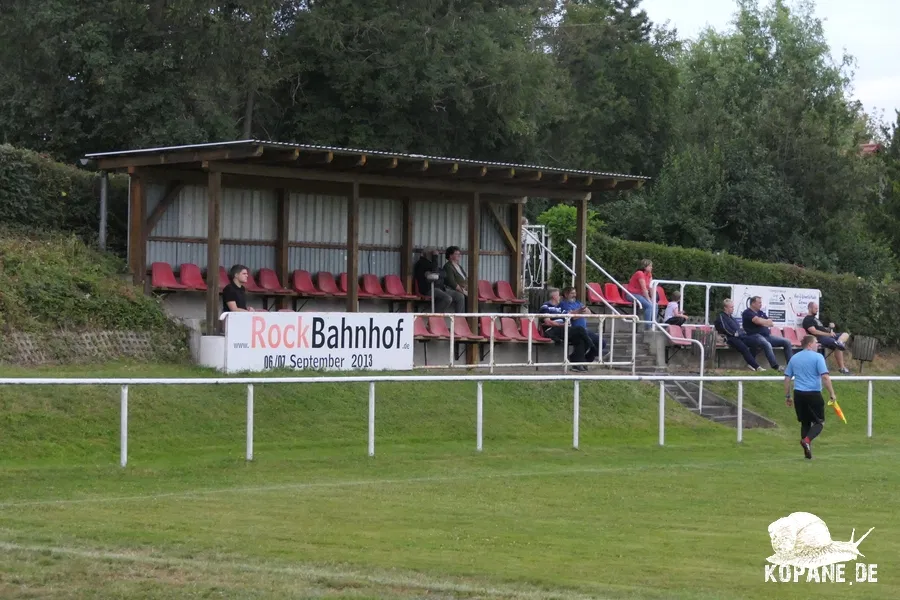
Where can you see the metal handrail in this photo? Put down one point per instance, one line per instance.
(634, 301)
(665, 332)
(565, 363)
(706, 284)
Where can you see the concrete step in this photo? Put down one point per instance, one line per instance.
(715, 408)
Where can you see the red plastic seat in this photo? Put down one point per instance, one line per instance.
(360, 292)
(438, 327)
(268, 280)
(801, 333)
(484, 324)
(661, 299)
(372, 287)
(420, 331)
(162, 277)
(461, 330)
(328, 285)
(486, 292)
(191, 277)
(419, 294)
(394, 286)
(505, 293)
(595, 293)
(680, 336)
(511, 330)
(536, 335)
(611, 292)
(303, 284)
(790, 334)
(775, 332)
(250, 286)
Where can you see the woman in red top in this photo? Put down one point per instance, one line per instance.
(640, 287)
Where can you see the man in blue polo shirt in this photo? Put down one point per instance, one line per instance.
(808, 369)
(554, 328)
(571, 304)
(756, 323)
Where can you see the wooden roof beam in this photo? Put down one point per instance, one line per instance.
(349, 161)
(529, 175)
(458, 186)
(504, 173)
(181, 157)
(414, 166)
(316, 158)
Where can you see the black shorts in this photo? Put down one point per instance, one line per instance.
(831, 342)
(809, 406)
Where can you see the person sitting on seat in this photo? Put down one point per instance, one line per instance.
(571, 304)
(756, 324)
(735, 336)
(234, 296)
(674, 315)
(827, 336)
(444, 298)
(455, 277)
(555, 330)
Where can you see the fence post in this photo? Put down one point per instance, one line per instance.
(123, 427)
(740, 415)
(662, 413)
(869, 412)
(249, 421)
(575, 416)
(479, 410)
(371, 418)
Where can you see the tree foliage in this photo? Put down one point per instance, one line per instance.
(749, 132)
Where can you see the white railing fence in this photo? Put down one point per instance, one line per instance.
(479, 401)
(534, 320)
(683, 284)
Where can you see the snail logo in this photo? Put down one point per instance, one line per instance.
(803, 546)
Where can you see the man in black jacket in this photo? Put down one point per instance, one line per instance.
(443, 298)
(735, 336)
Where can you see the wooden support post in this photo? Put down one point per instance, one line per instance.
(353, 249)
(581, 240)
(137, 240)
(282, 216)
(515, 261)
(406, 248)
(213, 232)
(474, 246)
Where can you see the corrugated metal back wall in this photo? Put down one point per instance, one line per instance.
(316, 219)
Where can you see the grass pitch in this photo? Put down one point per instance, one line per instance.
(428, 517)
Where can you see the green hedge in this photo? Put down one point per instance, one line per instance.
(854, 304)
(37, 193)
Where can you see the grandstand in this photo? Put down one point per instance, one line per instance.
(327, 229)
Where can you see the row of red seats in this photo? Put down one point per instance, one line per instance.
(683, 333)
(612, 294)
(508, 329)
(162, 278)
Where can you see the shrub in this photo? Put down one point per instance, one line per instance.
(37, 193)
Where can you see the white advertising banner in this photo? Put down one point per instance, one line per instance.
(259, 341)
(785, 306)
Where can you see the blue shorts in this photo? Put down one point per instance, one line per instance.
(831, 342)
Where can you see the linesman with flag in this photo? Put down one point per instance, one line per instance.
(809, 371)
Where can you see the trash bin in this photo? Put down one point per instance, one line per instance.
(708, 338)
(863, 349)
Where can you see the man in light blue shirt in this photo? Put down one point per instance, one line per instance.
(809, 371)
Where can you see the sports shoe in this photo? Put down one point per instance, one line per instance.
(845, 371)
(807, 451)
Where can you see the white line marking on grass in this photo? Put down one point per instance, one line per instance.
(335, 577)
(416, 480)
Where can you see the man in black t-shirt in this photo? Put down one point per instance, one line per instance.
(234, 296)
(826, 336)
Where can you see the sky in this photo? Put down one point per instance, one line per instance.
(865, 29)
